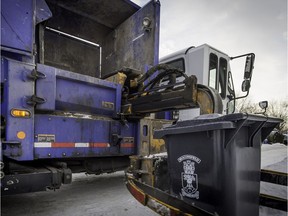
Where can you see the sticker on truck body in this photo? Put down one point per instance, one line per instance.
(45, 137)
(107, 105)
(189, 177)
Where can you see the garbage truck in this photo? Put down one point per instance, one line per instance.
(79, 84)
(59, 114)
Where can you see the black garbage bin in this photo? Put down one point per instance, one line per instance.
(214, 162)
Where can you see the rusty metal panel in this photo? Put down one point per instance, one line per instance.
(148, 144)
(147, 170)
(131, 44)
(68, 54)
(90, 20)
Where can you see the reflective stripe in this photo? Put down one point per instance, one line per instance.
(42, 145)
(73, 145)
(63, 145)
(127, 145)
(99, 145)
(81, 144)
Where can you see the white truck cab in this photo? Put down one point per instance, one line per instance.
(212, 68)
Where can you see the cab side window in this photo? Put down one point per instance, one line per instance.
(177, 63)
(222, 77)
(213, 65)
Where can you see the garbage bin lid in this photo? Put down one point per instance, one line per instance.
(215, 122)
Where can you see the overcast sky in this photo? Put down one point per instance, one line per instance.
(234, 27)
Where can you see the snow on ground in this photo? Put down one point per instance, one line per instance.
(273, 157)
(273, 154)
(91, 195)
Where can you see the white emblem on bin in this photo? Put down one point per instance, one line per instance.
(189, 177)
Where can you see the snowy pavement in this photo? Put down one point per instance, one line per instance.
(106, 195)
(271, 155)
(91, 195)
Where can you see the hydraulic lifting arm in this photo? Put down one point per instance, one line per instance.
(158, 90)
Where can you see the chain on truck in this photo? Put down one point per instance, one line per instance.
(82, 90)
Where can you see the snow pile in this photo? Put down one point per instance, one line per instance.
(162, 154)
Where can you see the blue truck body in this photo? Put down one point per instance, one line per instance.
(53, 56)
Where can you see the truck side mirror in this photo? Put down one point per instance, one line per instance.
(246, 85)
(249, 65)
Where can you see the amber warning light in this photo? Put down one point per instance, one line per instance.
(20, 113)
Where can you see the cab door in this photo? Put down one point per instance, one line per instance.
(217, 74)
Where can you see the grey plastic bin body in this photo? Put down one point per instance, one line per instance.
(214, 163)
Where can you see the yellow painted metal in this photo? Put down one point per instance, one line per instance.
(118, 78)
(133, 83)
(157, 145)
(205, 102)
(21, 135)
(150, 145)
(147, 168)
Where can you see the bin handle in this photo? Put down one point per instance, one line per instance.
(255, 130)
(233, 134)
